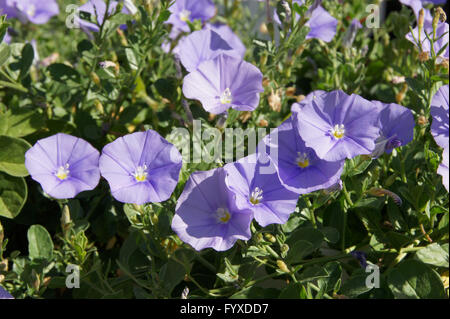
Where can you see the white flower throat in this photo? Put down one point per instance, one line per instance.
(63, 172)
(226, 97)
(223, 215)
(256, 196)
(338, 131)
(140, 174)
(302, 160)
(185, 15)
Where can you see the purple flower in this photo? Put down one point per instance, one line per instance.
(190, 10)
(255, 183)
(443, 168)
(225, 82)
(34, 11)
(322, 25)
(64, 165)
(97, 10)
(206, 213)
(396, 125)
(7, 37)
(141, 167)
(296, 107)
(201, 46)
(350, 35)
(439, 44)
(416, 5)
(229, 36)
(5, 294)
(439, 112)
(361, 257)
(338, 126)
(298, 167)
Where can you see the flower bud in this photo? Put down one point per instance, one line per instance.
(274, 100)
(282, 266)
(421, 19)
(270, 237)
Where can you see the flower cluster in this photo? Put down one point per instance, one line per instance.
(305, 153)
(34, 11)
(219, 77)
(141, 167)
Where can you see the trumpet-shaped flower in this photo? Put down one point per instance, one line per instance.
(439, 112)
(396, 124)
(440, 46)
(225, 82)
(34, 11)
(201, 46)
(97, 11)
(141, 167)
(229, 36)
(64, 165)
(255, 182)
(338, 126)
(299, 168)
(183, 11)
(206, 215)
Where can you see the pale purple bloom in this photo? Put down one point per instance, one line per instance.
(206, 213)
(439, 111)
(441, 36)
(97, 10)
(298, 167)
(7, 37)
(225, 82)
(201, 46)
(351, 33)
(141, 167)
(4, 294)
(338, 126)
(190, 10)
(34, 11)
(443, 168)
(229, 36)
(64, 165)
(396, 124)
(361, 257)
(322, 25)
(255, 182)
(296, 107)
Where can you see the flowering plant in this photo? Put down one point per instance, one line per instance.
(200, 148)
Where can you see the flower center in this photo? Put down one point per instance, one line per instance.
(63, 172)
(185, 15)
(226, 97)
(223, 215)
(256, 196)
(338, 131)
(302, 159)
(140, 174)
(31, 10)
(393, 143)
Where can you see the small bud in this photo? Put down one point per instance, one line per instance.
(270, 237)
(99, 106)
(422, 120)
(4, 265)
(274, 100)
(263, 28)
(263, 123)
(290, 91)
(401, 95)
(2, 278)
(245, 116)
(300, 98)
(282, 266)
(265, 82)
(421, 18)
(442, 16)
(185, 293)
(65, 219)
(95, 79)
(284, 248)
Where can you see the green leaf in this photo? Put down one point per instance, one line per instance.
(355, 286)
(13, 194)
(302, 242)
(434, 255)
(171, 274)
(295, 290)
(63, 73)
(5, 52)
(26, 60)
(40, 244)
(413, 279)
(12, 156)
(356, 165)
(19, 123)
